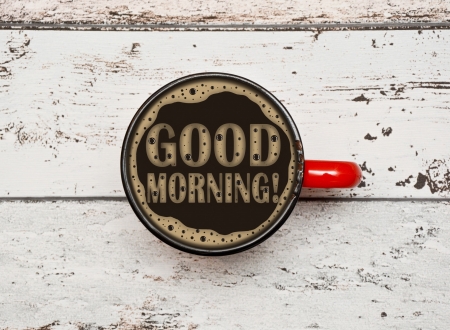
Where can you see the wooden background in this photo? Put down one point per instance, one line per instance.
(368, 82)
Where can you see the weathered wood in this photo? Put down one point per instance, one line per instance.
(376, 97)
(333, 265)
(221, 12)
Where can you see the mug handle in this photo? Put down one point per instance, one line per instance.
(331, 174)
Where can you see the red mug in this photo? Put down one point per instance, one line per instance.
(213, 164)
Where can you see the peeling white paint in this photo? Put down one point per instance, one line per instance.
(340, 265)
(379, 98)
(224, 12)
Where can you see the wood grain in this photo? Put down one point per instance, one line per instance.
(333, 265)
(380, 98)
(375, 97)
(200, 12)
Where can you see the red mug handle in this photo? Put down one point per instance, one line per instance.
(331, 174)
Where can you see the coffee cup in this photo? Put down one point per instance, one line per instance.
(213, 164)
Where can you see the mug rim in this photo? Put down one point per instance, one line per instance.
(281, 219)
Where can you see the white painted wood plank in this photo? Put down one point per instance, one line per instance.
(66, 99)
(224, 12)
(333, 265)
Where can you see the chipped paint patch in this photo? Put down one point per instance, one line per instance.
(387, 131)
(361, 98)
(421, 181)
(436, 177)
(369, 137)
(15, 48)
(404, 182)
(367, 170)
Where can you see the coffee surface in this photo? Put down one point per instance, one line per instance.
(212, 162)
(222, 217)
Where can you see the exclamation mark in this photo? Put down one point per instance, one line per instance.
(275, 187)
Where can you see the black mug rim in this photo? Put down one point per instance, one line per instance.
(186, 247)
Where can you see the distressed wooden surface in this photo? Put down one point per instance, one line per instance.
(224, 12)
(379, 98)
(333, 265)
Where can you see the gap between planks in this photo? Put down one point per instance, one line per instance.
(307, 199)
(225, 27)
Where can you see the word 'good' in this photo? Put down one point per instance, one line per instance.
(169, 157)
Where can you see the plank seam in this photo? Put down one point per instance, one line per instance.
(307, 199)
(73, 26)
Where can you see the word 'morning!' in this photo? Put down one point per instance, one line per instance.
(205, 148)
(199, 188)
